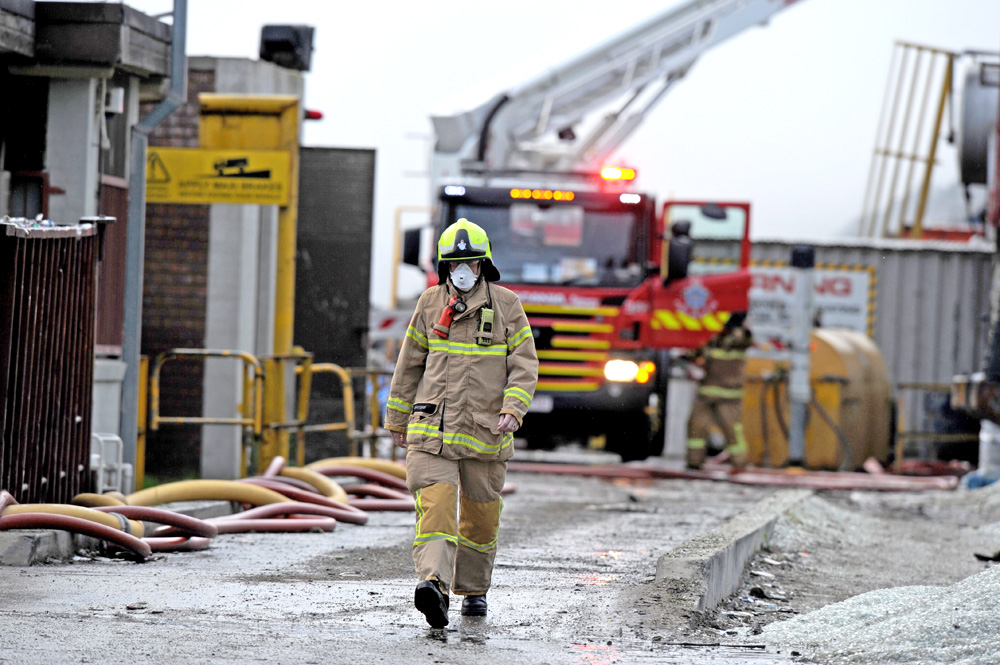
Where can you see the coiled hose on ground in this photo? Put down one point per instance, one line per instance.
(287, 499)
(348, 513)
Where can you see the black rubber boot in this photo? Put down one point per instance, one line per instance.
(434, 604)
(474, 606)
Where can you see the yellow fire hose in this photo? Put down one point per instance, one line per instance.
(328, 488)
(91, 500)
(205, 490)
(392, 468)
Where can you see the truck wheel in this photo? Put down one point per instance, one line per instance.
(633, 439)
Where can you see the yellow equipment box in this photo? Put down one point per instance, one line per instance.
(850, 418)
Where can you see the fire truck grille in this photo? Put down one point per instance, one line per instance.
(573, 345)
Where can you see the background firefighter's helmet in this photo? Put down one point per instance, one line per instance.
(462, 241)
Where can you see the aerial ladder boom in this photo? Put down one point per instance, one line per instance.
(547, 124)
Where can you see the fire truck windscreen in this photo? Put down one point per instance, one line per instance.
(560, 245)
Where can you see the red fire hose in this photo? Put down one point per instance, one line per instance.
(378, 491)
(276, 481)
(383, 504)
(351, 514)
(373, 475)
(76, 525)
(276, 510)
(178, 544)
(185, 525)
(275, 467)
(287, 525)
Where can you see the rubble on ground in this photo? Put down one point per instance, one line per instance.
(837, 580)
(956, 624)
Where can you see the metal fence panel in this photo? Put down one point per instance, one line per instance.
(47, 311)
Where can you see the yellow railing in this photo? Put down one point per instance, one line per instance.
(372, 377)
(350, 422)
(252, 413)
(251, 409)
(305, 373)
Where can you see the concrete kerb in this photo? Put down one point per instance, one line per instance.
(708, 568)
(24, 547)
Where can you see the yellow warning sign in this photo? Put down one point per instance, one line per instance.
(195, 175)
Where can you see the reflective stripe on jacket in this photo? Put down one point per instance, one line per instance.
(448, 394)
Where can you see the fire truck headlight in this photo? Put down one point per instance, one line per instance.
(621, 370)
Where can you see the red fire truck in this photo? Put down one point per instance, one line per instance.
(611, 285)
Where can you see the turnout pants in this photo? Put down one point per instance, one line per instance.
(458, 516)
(720, 416)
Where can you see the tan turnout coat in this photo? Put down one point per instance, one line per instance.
(448, 394)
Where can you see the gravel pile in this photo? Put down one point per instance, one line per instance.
(958, 624)
(897, 542)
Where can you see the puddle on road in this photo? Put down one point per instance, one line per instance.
(471, 638)
(596, 580)
(595, 654)
(610, 554)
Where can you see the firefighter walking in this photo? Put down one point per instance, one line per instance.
(715, 414)
(465, 377)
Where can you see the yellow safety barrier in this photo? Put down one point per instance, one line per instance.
(349, 424)
(374, 412)
(275, 437)
(140, 443)
(251, 406)
(257, 417)
(305, 373)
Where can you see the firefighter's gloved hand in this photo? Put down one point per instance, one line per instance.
(508, 423)
(399, 438)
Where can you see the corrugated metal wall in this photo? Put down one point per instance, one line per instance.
(47, 306)
(931, 307)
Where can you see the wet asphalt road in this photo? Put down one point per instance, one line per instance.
(574, 584)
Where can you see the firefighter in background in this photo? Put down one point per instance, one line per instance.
(465, 377)
(719, 366)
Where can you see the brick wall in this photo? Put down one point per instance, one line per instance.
(174, 297)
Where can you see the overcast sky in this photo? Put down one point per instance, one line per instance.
(783, 116)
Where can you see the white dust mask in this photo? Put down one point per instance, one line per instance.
(463, 278)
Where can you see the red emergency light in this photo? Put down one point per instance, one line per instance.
(617, 173)
(313, 115)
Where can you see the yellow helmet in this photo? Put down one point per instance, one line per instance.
(463, 241)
